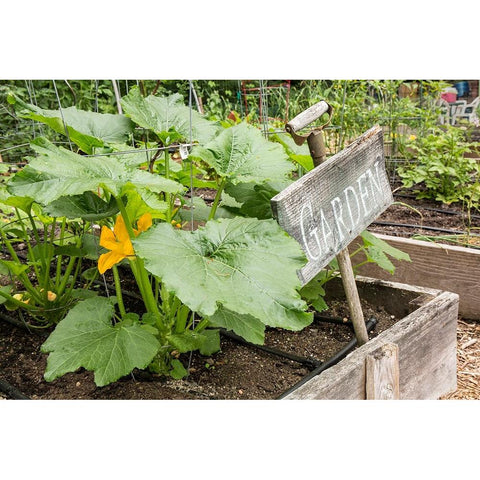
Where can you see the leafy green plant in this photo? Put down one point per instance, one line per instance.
(236, 273)
(89, 130)
(241, 155)
(44, 284)
(373, 249)
(441, 167)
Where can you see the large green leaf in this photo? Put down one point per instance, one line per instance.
(86, 338)
(247, 265)
(23, 203)
(58, 172)
(242, 154)
(88, 130)
(168, 117)
(201, 211)
(88, 206)
(289, 144)
(133, 157)
(254, 198)
(248, 327)
(299, 154)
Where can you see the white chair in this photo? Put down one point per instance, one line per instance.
(444, 117)
(467, 111)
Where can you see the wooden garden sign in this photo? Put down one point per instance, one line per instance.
(329, 206)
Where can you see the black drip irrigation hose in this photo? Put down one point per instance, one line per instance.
(330, 362)
(335, 320)
(308, 362)
(318, 367)
(423, 227)
(12, 392)
(19, 324)
(439, 210)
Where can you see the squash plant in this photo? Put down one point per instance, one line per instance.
(238, 271)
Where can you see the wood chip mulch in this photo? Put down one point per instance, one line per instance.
(468, 362)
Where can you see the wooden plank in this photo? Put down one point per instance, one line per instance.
(329, 206)
(383, 373)
(427, 344)
(308, 116)
(443, 267)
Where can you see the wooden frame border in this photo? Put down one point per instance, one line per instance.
(427, 345)
(433, 265)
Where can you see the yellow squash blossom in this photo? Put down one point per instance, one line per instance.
(118, 241)
(52, 296)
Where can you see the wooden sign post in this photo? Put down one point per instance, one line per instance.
(329, 206)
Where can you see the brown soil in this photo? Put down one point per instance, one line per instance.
(411, 217)
(236, 372)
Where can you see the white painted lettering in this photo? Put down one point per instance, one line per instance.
(350, 195)
(326, 230)
(374, 179)
(338, 216)
(364, 196)
(311, 255)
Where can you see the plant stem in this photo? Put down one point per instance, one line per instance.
(34, 227)
(22, 276)
(66, 276)
(138, 269)
(167, 164)
(216, 201)
(169, 198)
(118, 291)
(27, 241)
(75, 276)
(58, 272)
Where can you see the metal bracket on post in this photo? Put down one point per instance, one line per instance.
(314, 139)
(317, 151)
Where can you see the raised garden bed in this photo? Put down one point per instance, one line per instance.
(435, 265)
(426, 340)
(421, 321)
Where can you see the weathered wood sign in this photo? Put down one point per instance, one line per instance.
(329, 206)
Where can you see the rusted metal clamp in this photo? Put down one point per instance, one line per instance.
(314, 139)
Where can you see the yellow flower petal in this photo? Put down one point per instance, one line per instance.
(120, 230)
(107, 238)
(118, 242)
(144, 222)
(108, 260)
(51, 296)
